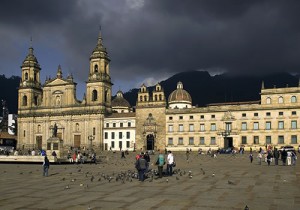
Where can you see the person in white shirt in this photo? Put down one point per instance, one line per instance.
(170, 162)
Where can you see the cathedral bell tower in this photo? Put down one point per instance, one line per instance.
(30, 90)
(99, 82)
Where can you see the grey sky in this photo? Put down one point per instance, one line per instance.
(150, 40)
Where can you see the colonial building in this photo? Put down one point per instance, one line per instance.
(155, 123)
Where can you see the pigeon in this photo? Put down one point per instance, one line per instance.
(81, 185)
(213, 175)
(73, 180)
(63, 179)
(67, 187)
(230, 182)
(167, 180)
(92, 178)
(99, 179)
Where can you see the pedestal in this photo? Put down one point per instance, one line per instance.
(55, 144)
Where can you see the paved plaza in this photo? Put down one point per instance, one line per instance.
(225, 182)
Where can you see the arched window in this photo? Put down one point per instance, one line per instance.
(77, 127)
(145, 98)
(268, 100)
(280, 100)
(94, 95)
(57, 101)
(141, 98)
(96, 68)
(105, 95)
(35, 77)
(24, 101)
(35, 100)
(160, 97)
(26, 76)
(155, 97)
(293, 99)
(39, 128)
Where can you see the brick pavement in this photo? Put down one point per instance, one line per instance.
(22, 186)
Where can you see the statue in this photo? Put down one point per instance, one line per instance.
(54, 131)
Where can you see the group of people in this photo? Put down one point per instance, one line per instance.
(287, 157)
(143, 161)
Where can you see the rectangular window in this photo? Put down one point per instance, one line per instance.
(180, 117)
(268, 140)
(170, 128)
(213, 127)
(255, 126)
(255, 139)
(180, 127)
(191, 141)
(94, 131)
(212, 140)
(268, 114)
(255, 114)
(127, 135)
(127, 144)
(129, 124)
(201, 116)
(120, 135)
(191, 117)
(191, 127)
(202, 127)
(24, 133)
(294, 139)
(268, 125)
(107, 125)
(120, 145)
(170, 141)
(112, 135)
(105, 135)
(244, 115)
(244, 126)
(112, 144)
(244, 139)
(202, 140)
(114, 125)
(213, 116)
(170, 118)
(228, 126)
(294, 124)
(294, 113)
(180, 141)
(121, 125)
(280, 113)
(280, 139)
(280, 125)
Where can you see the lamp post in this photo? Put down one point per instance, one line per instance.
(91, 138)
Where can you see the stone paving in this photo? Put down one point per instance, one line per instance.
(225, 182)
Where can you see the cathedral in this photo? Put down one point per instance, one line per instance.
(156, 122)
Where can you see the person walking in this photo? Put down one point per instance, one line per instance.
(251, 157)
(46, 165)
(269, 157)
(170, 162)
(284, 156)
(160, 162)
(141, 165)
(294, 158)
(259, 156)
(276, 156)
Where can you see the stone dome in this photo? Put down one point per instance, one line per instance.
(30, 60)
(180, 98)
(120, 101)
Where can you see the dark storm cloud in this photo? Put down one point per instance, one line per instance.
(154, 38)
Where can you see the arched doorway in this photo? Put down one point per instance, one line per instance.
(150, 142)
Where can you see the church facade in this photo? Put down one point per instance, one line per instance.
(156, 122)
(79, 123)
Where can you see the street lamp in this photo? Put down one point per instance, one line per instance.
(91, 138)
